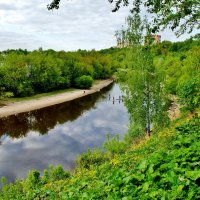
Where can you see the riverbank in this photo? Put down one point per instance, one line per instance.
(34, 104)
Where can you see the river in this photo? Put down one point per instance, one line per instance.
(57, 134)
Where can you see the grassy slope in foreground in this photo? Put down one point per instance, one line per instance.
(164, 166)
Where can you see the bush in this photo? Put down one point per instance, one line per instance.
(4, 94)
(134, 132)
(84, 82)
(114, 145)
(8, 94)
(55, 174)
(91, 157)
(189, 93)
(24, 90)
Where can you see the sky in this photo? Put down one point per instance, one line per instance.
(78, 24)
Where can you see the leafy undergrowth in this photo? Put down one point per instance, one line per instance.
(164, 166)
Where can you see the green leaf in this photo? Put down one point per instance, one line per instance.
(139, 177)
(143, 165)
(193, 175)
(145, 187)
(180, 188)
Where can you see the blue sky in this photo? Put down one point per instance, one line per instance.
(78, 24)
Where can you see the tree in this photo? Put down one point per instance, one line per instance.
(84, 82)
(13, 73)
(142, 81)
(179, 15)
(145, 96)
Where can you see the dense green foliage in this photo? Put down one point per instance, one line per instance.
(180, 63)
(189, 93)
(165, 165)
(26, 73)
(84, 82)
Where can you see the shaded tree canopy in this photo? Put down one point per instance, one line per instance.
(179, 15)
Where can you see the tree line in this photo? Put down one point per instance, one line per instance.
(24, 73)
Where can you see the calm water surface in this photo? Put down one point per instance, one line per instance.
(57, 134)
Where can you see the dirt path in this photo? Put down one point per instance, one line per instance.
(174, 110)
(29, 105)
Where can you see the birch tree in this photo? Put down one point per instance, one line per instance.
(142, 81)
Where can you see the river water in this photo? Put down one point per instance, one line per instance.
(57, 134)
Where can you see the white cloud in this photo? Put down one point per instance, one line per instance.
(84, 24)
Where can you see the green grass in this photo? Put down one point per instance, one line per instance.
(38, 96)
(35, 97)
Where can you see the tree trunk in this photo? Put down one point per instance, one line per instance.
(148, 111)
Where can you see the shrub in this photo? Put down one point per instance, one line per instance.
(91, 157)
(84, 82)
(134, 132)
(189, 93)
(8, 94)
(4, 94)
(114, 145)
(55, 174)
(24, 90)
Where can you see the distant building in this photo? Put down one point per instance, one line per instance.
(152, 39)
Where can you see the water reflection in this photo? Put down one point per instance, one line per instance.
(55, 135)
(45, 119)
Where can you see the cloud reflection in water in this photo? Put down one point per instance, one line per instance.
(55, 135)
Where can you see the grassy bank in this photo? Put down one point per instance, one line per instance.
(163, 166)
(45, 100)
(38, 96)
